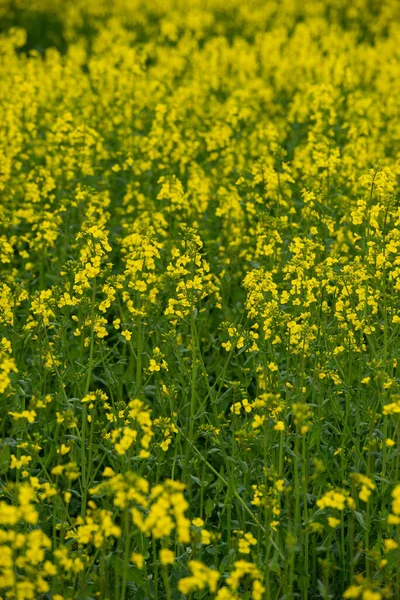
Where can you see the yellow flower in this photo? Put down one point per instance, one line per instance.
(258, 421)
(353, 591)
(333, 522)
(167, 557)
(370, 595)
(279, 426)
(390, 544)
(257, 590)
(138, 560)
(154, 366)
(334, 499)
(202, 576)
(29, 415)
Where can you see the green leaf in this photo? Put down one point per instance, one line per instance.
(4, 459)
(209, 507)
(134, 575)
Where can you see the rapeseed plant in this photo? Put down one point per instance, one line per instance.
(199, 300)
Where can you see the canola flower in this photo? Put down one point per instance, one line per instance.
(199, 299)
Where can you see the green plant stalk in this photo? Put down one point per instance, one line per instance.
(84, 407)
(155, 565)
(235, 492)
(126, 538)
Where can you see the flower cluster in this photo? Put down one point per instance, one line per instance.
(199, 299)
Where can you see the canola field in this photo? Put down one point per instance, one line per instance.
(199, 299)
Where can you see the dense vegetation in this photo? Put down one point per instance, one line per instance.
(199, 299)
